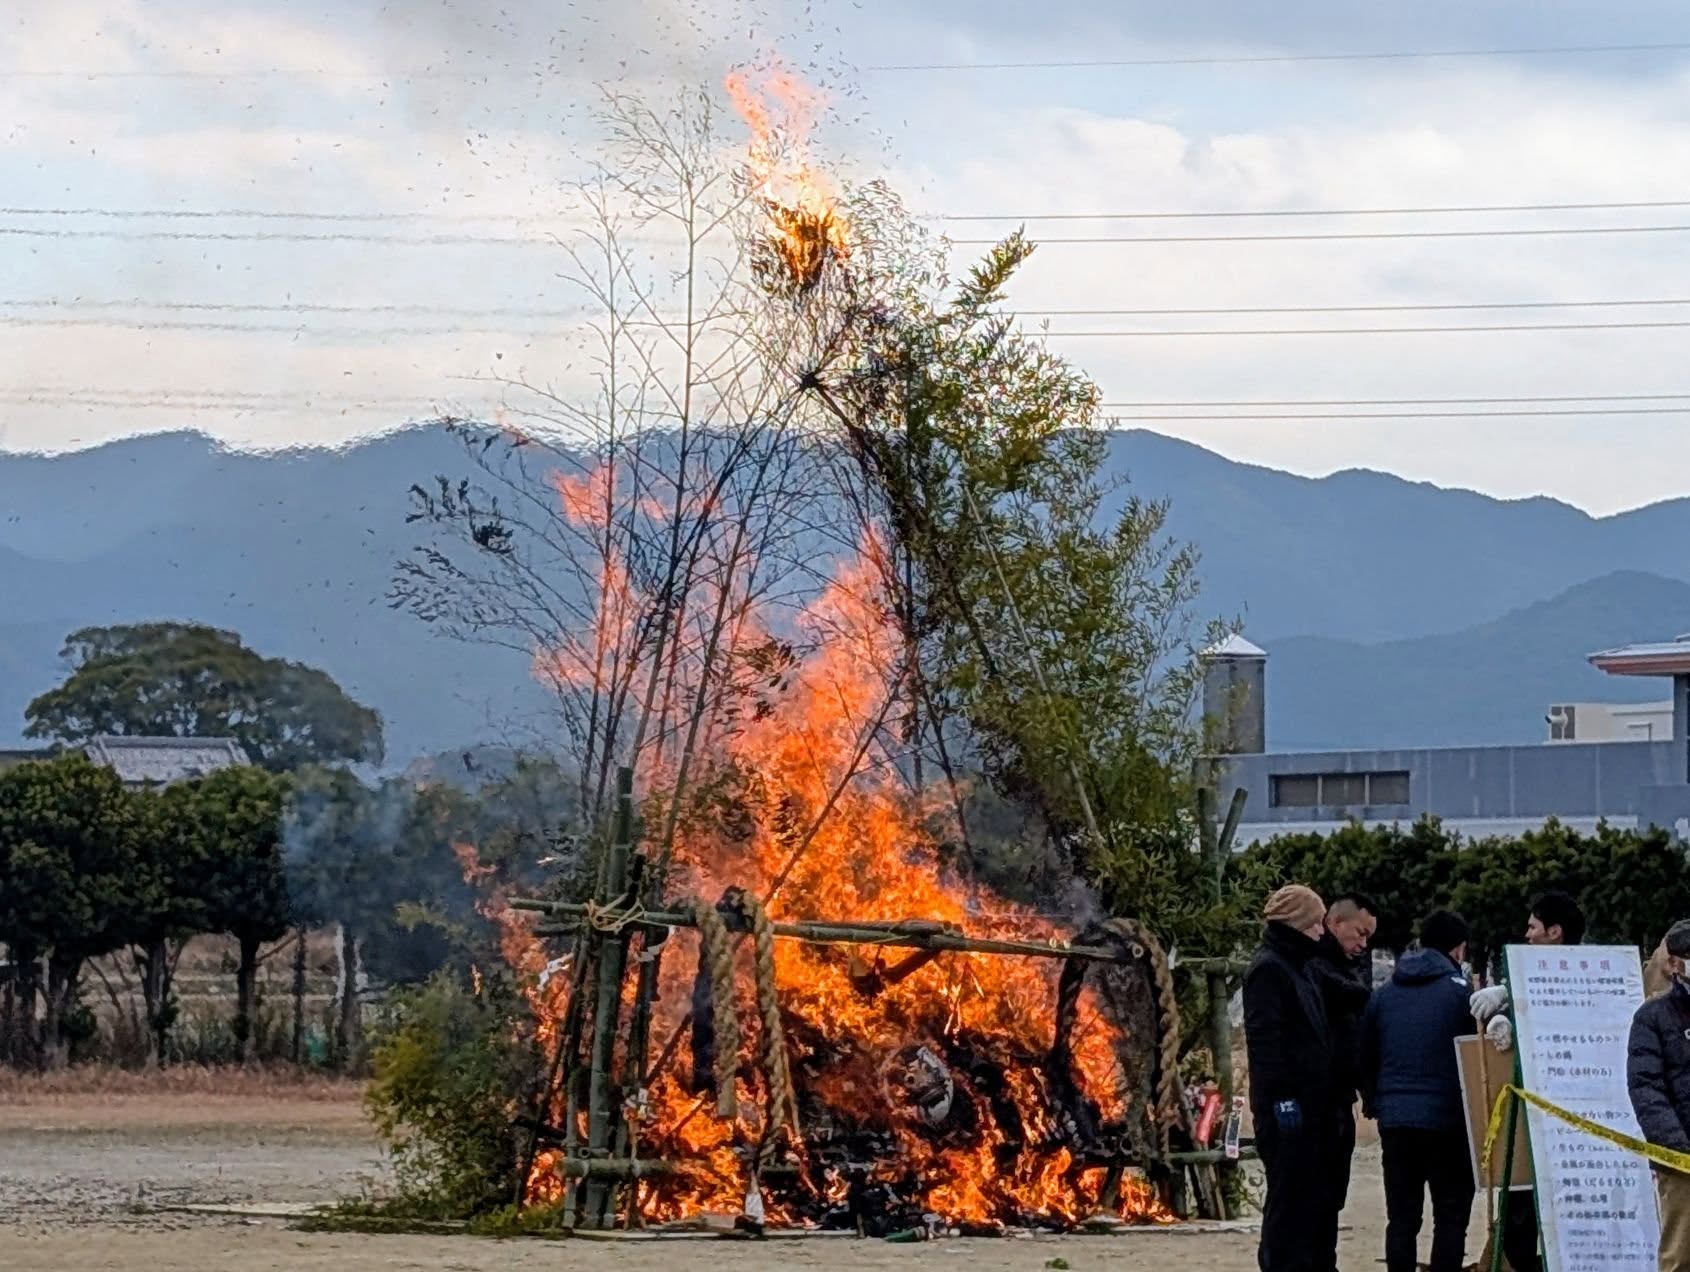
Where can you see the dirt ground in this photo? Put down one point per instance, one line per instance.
(81, 1176)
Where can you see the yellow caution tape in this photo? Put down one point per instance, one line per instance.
(1670, 1158)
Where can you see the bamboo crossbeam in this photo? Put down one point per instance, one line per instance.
(613, 1168)
(916, 934)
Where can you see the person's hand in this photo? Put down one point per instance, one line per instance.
(1288, 1116)
(1500, 1033)
(1488, 1002)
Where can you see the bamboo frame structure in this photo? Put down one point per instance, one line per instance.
(599, 1168)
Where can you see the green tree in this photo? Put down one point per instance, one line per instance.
(1049, 620)
(188, 680)
(169, 904)
(234, 818)
(67, 882)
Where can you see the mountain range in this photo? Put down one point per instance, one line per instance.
(1395, 613)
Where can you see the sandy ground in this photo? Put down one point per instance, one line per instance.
(80, 1177)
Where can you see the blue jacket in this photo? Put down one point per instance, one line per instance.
(1408, 1070)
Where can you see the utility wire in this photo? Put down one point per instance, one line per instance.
(1432, 401)
(196, 405)
(470, 328)
(1504, 232)
(1275, 58)
(1033, 311)
(291, 307)
(1207, 405)
(1210, 215)
(1407, 415)
(1369, 331)
(496, 240)
(1440, 307)
(292, 214)
(294, 329)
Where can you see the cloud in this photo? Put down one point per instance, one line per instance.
(456, 110)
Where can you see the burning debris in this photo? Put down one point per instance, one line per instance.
(806, 228)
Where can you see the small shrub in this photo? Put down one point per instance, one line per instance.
(449, 1067)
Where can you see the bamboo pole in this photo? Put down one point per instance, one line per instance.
(614, 1168)
(897, 935)
(602, 1111)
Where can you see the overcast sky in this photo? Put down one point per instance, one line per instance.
(412, 118)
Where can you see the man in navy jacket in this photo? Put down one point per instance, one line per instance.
(1411, 1084)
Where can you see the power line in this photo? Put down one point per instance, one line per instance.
(203, 406)
(1507, 232)
(304, 307)
(255, 328)
(286, 236)
(304, 329)
(1282, 212)
(286, 214)
(420, 215)
(1432, 401)
(1405, 415)
(184, 306)
(1275, 58)
(1375, 331)
(494, 240)
(1439, 307)
(249, 72)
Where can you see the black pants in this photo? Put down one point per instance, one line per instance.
(1418, 1161)
(1342, 1152)
(1519, 1231)
(1299, 1224)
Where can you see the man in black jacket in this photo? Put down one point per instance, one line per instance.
(1657, 1074)
(1291, 1098)
(1411, 1084)
(1555, 918)
(1344, 971)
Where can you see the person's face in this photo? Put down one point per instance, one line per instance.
(1313, 930)
(1354, 932)
(1537, 934)
(1458, 955)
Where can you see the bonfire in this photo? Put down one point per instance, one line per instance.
(801, 1016)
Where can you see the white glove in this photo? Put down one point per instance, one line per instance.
(1488, 1002)
(1500, 1033)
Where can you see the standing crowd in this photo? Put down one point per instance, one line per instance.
(1320, 1037)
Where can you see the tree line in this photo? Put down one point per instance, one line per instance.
(1632, 884)
(92, 870)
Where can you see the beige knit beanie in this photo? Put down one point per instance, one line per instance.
(1295, 906)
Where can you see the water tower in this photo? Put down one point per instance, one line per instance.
(1235, 698)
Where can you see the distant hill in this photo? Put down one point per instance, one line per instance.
(295, 551)
(1485, 684)
(1368, 556)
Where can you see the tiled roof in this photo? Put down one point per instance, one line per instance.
(158, 761)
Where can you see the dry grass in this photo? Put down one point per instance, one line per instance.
(179, 1081)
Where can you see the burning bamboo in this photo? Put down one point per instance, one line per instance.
(602, 1119)
(915, 934)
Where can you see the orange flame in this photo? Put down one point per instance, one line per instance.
(807, 226)
(849, 838)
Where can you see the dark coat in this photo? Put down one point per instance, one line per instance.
(1346, 984)
(1408, 1069)
(1285, 1032)
(1657, 1070)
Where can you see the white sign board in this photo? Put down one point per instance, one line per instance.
(1572, 1016)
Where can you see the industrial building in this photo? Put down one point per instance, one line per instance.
(1628, 766)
